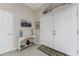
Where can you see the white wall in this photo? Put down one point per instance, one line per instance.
(20, 11)
(38, 15)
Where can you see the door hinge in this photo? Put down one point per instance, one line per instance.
(77, 51)
(77, 14)
(77, 32)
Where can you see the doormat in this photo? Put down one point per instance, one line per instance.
(50, 51)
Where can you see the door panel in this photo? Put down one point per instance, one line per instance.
(6, 31)
(65, 25)
(46, 30)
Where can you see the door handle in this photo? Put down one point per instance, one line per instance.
(54, 31)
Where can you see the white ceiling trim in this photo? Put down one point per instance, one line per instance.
(34, 5)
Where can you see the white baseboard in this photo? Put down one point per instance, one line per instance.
(38, 43)
(8, 51)
(14, 49)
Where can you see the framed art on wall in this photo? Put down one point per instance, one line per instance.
(37, 25)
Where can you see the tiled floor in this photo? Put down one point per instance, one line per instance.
(30, 51)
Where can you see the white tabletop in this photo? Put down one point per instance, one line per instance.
(22, 38)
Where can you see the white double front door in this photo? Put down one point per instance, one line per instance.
(59, 30)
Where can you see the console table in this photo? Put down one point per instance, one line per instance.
(22, 41)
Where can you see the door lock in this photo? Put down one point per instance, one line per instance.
(54, 33)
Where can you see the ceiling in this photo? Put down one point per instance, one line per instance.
(34, 5)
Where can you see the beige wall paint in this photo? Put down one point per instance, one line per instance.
(20, 11)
